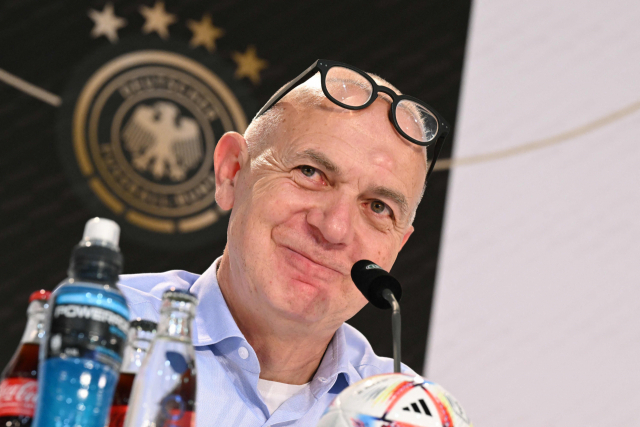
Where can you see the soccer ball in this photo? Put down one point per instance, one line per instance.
(394, 400)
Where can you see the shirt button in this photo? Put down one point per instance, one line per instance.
(322, 379)
(243, 353)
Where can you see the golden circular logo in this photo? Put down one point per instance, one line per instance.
(144, 129)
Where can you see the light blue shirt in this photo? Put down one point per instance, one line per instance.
(228, 368)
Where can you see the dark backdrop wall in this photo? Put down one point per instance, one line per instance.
(59, 167)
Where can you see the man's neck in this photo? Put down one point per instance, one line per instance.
(288, 351)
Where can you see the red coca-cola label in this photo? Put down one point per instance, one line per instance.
(18, 396)
(118, 413)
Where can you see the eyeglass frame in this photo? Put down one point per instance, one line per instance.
(324, 65)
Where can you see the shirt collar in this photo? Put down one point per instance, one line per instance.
(213, 322)
(335, 362)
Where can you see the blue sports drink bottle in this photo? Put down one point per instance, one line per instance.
(85, 334)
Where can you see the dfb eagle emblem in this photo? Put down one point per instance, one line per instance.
(163, 142)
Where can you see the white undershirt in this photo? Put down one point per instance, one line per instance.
(274, 394)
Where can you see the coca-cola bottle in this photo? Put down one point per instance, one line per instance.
(141, 333)
(19, 386)
(164, 391)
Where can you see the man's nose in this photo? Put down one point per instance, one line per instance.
(333, 219)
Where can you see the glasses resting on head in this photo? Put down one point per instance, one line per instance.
(354, 89)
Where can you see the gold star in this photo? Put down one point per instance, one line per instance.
(249, 65)
(106, 23)
(204, 33)
(157, 19)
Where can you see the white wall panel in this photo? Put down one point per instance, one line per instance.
(537, 306)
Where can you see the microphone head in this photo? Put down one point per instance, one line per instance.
(371, 279)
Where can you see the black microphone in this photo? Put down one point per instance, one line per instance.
(383, 291)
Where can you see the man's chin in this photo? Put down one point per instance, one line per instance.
(301, 301)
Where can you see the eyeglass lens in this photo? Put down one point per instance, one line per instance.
(351, 88)
(416, 121)
(348, 87)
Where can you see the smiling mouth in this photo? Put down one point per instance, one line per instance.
(312, 261)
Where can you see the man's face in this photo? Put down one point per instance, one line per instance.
(332, 187)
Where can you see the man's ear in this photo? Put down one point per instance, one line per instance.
(406, 236)
(228, 158)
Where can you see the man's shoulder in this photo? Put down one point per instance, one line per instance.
(362, 357)
(144, 291)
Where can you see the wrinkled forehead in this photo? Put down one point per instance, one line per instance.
(309, 100)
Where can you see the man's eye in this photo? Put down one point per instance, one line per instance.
(308, 170)
(378, 207)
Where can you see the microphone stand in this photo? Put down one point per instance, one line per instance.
(395, 327)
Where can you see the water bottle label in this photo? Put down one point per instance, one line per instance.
(88, 325)
(18, 397)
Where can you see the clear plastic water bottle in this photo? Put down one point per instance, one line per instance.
(164, 390)
(85, 334)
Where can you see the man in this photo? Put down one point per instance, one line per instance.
(322, 178)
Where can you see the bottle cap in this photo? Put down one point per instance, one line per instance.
(179, 295)
(40, 295)
(143, 325)
(103, 230)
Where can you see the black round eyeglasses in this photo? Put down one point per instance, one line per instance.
(353, 89)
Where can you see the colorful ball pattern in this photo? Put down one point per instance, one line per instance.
(394, 400)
